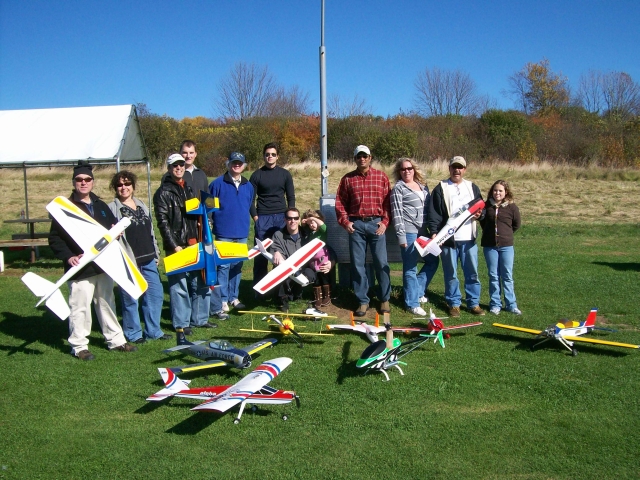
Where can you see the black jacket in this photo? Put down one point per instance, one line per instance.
(176, 227)
(64, 247)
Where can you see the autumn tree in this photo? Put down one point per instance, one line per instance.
(537, 90)
(447, 92)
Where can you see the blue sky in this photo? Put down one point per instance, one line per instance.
(171, 55)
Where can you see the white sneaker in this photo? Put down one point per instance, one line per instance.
(225, 307)
(237, 304)
(495, 311)
(516, 311)
(423, 299)
(418, 311)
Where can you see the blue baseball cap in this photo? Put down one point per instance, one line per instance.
(235, 157)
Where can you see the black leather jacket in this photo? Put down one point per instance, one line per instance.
(176, 227)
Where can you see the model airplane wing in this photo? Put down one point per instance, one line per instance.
(247, 386)
(255, 251)
(519, 329)
(231, 251)
(117, 264)
(84, 230)
(289, 267)
(256, 347)
(600, 342)
(464, 325)
(190, 258)
(198, 366)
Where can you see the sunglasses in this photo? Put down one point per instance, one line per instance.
(177, 164)
(291, 219)
(83, 179)
(267, 155)
(362, 155)
(124, 184)
(408, 169)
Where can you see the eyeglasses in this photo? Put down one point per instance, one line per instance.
(83, 179)
(457, 167)
(407, 169)
(124, 184)
(291, 219)
(267, 155)
(177, 164)
(362, 155)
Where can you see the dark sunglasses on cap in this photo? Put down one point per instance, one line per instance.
(83, 179)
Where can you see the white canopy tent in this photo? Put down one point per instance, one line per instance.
(62, 136)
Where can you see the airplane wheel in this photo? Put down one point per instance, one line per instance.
(236, 421)
(574, 352)
(285, 418)
(254, 408)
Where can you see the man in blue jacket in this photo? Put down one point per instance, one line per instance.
(230, 224)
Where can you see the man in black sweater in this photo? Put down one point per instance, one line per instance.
(273, 186)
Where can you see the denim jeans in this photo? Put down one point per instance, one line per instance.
(415, 284)
(365, 235)
(150, 302)
(189, 299)
(228, 282)
(264, 228)
(467, 252)
(500, 266)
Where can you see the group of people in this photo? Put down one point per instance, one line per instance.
(365, 204)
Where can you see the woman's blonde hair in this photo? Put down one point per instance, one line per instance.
(416, 172)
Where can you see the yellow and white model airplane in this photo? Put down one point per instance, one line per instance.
(566, 332)
(99, 245)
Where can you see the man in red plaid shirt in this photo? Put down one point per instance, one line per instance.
(362, 208)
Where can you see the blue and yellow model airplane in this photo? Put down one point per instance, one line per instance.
(207, 254)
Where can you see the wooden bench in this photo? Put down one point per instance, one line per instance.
(25, 242)
(23, 236)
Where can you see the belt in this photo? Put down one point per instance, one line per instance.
(365, 219)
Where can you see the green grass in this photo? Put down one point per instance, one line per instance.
(483, 407)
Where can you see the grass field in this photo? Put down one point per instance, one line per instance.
(483, 407)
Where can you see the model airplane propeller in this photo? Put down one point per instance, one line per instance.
(99, 245)
(426, 245)
(252, 389)
(567, 332)
(284, 324)
(218, 353)
(207, 254)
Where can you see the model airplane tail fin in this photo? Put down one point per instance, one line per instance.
(173, 385)
(50, 295)
(261, 248)
(591, 318)
(206, 204)
(427, 246)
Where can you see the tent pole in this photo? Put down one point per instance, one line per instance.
(149, 188)
(26, 196)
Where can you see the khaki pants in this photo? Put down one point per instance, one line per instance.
(98, 289)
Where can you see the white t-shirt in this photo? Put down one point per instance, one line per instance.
(459, 196)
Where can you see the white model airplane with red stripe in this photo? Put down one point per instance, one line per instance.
(290, 268)
(252, 389)
(426, 245)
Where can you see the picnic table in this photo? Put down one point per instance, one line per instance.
(31, 239)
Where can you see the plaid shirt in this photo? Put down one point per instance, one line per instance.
(363, 196)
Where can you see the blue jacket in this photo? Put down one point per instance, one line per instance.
(232, 220)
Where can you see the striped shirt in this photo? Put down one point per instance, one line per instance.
(363, 195)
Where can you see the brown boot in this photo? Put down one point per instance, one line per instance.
(317, 297)
(326, 295)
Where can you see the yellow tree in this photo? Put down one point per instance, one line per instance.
(538, 90)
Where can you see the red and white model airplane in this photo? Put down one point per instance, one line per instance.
(567, 332)
(436, 325)
(252, 389)
(426, 245)
(99, 245)
(290, 268)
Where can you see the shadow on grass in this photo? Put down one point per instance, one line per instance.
(44, 329)
(621, 266)
(527, 344)
(347, 368)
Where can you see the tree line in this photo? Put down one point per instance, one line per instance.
(599, 123)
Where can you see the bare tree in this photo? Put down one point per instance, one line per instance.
(245, 92)
(339, 107)
(288, 103)
(536, 89)
(447, 92)
(609, 93)
(589, 94)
